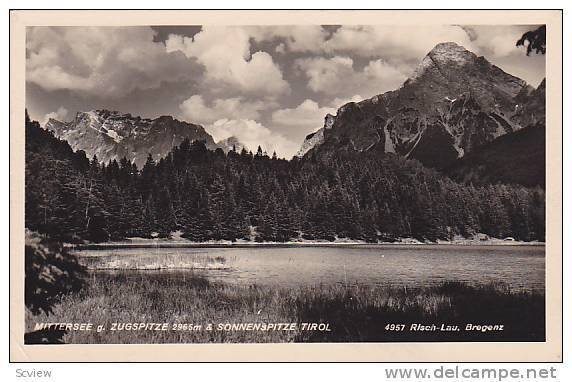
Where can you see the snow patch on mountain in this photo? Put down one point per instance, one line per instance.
(389, 145)
(113, 135)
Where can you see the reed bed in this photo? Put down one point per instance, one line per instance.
(353, 313)
(150, 261)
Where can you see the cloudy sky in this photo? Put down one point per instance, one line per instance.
(265, 85)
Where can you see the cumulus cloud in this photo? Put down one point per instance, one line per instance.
(297, 38)
(305, 118)
(400, 44)
(229, 65)
(497, 40)
(336, 76)
(252, 134)
(102, 61)
(236, 86)
(60, 115)
(195, 109)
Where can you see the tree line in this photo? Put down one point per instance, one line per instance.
(211, 195)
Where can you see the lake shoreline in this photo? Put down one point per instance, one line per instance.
(181, 243)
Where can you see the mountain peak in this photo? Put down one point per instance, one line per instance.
(442, 58)
(450, 52)
(447, 46)
(454, 102)
(449, 70)
(53, 124)
(112, 135)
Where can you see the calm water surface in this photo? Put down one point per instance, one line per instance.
(521, 267)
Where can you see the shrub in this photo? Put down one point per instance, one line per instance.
(50, 273)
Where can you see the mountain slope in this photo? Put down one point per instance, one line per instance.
(316, 138)
(518, 157)
(112, 135)
(453, 103)
(531, 111)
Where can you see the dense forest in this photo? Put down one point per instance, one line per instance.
(210, 195)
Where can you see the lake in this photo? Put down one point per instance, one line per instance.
(520, 267)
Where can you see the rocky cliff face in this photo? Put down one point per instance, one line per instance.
(453, 103)
(531, 109)
(518, 157)
(316, 138)
(112, 135)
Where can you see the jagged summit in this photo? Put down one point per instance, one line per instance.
(442, 55)
(113, 135)
(451, 51)
(454, 102)
(450, 68)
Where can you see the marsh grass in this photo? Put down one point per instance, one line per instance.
(355, 313)
(360, 314)
(151, 261)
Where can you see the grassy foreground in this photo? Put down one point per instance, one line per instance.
(354, 313)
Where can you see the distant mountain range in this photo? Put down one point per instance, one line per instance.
(454, 104)
(450, 115)
(112, 135)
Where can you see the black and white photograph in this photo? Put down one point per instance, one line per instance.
(329, 183)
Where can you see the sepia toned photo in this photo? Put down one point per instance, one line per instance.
(244, 182)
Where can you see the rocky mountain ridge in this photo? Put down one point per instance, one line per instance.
(317, 137)
(112, 135)
(454, 102)
(518, 157)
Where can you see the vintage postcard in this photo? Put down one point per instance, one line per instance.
(286, 185)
